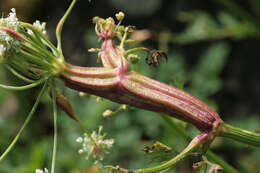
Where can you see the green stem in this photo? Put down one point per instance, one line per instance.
(137, 49)
(17, 74)
(33, 51)
(218, 160)
(23, 67)
(42, 36)
(60, 25)
(55, 125)
(241, 135)
(23, 87)
(35, 60)
(38, 47)
(209, 154)
(199, 139)
(29, 117)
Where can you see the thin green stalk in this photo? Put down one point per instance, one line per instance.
(201, 138)
(241, 135)
(22, 68)
(41, 49)
(23, 87)
(33, 39)
(17, 74)
(123, 39)
(33, 51)
(218, 160)
(29, 117)
(52, 47)
(55, 125)
(35, 59)
(36, 38)
(209, 154)
(60, 24)
(137, 49)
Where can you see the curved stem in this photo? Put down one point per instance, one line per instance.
(136, 49)
(241, 135)
(209, 154)
(199, 139)
(23, 87)
(60, 24)
(17, 74)
(218, 160)
(42, 36)
(29, 117)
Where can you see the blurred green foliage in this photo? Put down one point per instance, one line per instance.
(205, 56)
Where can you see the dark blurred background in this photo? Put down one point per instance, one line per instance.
(213, 52)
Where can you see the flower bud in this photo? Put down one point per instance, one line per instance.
(133, 58)
(120, 16)
(107, 113)
(65, 105)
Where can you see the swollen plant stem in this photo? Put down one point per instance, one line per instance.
(29, 117)
(55, 125)
(241, 135)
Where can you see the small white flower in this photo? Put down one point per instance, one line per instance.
(79, 140)
(42, 171)
(107, 113)
(40, 26)
(38, 171)
(95, 145)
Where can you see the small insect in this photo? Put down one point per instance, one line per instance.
(155, 54)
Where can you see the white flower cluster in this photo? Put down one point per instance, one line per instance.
(42, 171)
(95, 145)
(39, 26)
(11, 21)
(7, 41)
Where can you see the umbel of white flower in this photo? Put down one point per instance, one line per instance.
(9, 44)
(95, 145)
